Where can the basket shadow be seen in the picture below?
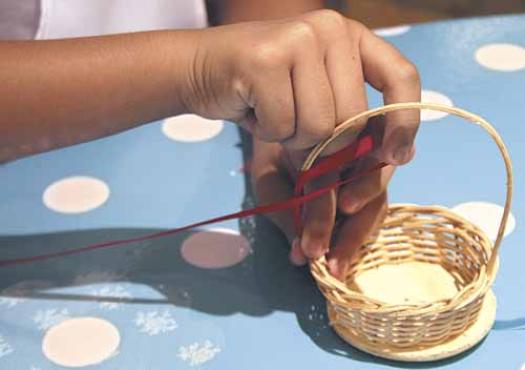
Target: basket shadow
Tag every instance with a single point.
(514, 324)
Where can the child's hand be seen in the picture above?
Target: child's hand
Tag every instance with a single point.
(291, 81)
(361, 206)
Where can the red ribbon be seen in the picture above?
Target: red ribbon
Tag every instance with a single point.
(325, 165)
(329, 164)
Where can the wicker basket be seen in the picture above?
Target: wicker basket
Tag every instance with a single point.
(429, 234)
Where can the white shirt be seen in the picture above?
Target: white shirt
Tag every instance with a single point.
(52, 19)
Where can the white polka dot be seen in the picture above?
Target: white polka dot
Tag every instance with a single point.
(191, 128)
(501, 57)
(215, 248)
(76, 194)
(80, 342)
(392, 31)
(429, 96)
(486, 216)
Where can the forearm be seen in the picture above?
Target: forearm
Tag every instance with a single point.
(60, 92)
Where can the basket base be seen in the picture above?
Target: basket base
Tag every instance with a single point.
(472, 336)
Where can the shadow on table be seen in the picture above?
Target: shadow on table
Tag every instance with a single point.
(263, 283)
(514, 324)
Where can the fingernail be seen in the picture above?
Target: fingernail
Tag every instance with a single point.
(337, 269)
(351, 205)
(296, 256)
(332, 267)
(296, 259)
(312, 250)
(402, 155)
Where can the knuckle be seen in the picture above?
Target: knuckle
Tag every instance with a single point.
(267, 55)
(284, 132)
(311, 134)
(355, 26)
(277, 133)
(407, 73)
(324, 132)
(303, 32)
(321, 132)
(331, 18)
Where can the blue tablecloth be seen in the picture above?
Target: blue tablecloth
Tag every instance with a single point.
(176, 308)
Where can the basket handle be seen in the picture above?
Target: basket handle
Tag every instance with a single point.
(351, 122)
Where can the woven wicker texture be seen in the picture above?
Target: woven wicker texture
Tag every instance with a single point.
(412, 233)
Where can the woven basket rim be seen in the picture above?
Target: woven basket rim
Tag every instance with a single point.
(468, 293)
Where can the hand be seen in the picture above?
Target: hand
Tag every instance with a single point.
(291, 81)
(362, 205)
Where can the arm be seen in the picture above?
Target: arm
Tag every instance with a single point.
(60, 92)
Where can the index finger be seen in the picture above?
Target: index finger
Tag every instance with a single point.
(318, 216)
(388, 71)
